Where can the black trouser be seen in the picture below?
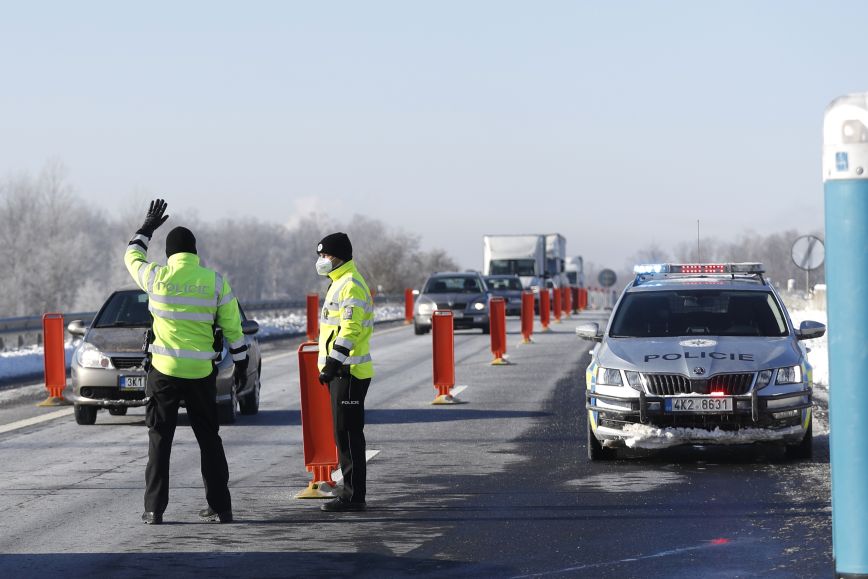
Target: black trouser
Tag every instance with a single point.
(348, 412)
(166, 393)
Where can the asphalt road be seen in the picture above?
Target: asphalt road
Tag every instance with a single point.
(496, 487)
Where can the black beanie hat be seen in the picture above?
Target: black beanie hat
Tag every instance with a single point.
(180, 240)
(337, 244)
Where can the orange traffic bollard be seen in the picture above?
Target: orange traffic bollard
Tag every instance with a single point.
(544, 309)
(320, 450)
(568, 301)
(526, 317)
(574, 298)
(408, 306)
(584, 305)
(443, 340)
(497, 321)
(557, 304)
(54, 357)
(312, 317)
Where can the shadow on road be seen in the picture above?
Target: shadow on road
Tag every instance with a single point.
(392, 416)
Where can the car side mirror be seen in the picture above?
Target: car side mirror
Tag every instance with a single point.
(809, 329)
(76, 328)
(249, 327)
(590, 331)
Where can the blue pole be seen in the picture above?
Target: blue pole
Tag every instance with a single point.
(845, 176)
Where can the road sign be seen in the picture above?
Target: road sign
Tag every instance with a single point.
(607, 278)
(808, 252)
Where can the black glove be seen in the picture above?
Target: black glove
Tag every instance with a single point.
(241, 371)
(154, 218)
(330, 371)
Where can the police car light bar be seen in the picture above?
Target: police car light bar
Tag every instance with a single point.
(687, 268)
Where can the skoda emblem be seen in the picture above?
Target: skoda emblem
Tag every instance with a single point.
(699, 371)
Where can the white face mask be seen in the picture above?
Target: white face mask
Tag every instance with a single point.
(324, 265)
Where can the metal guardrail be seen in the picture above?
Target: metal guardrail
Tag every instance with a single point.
(34, 323)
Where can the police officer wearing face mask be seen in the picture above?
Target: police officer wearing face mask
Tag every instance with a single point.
(345, 328)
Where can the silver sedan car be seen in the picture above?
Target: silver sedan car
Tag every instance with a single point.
(465, 293)
(107, 367)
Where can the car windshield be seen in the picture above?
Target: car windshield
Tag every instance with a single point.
(503, 283)
(452, 285)
(512, 267)
(125, 309)
(698, 312)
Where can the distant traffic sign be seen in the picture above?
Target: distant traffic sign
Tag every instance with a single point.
(607, 278)
(808, 252)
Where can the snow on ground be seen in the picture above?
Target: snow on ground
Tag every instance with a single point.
(645, 436)
(29, 360)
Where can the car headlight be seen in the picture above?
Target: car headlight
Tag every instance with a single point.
(789, 375)
(427, 308)
(763, 379)
(479, 306)
(89, 356)
(634, 380)
(609, 377)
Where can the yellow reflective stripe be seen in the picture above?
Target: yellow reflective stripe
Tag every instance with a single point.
(181, 300)
(369, 308)
(188, 316)
(226, 299)
(338, 356)
(351, 360)
(178, 353)
(345, 343)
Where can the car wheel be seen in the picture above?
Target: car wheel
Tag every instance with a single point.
(596, 451)
(84, 414)
(419, 330)
(118, 410)
(805, 449)
(250, 404)
(227, 412)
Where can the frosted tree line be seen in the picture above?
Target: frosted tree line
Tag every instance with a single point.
(59, 254)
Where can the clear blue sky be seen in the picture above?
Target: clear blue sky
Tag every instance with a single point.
(617, 124)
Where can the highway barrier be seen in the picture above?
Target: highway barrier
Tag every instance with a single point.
(312, 317)
(55, 359)
(526, 317)
(544, 310)
(320, 450)
(443, 340)
(408, 306)
(497, 321)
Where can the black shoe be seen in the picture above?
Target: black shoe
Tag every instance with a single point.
(341, 505)
(213, 516)
(152, 518)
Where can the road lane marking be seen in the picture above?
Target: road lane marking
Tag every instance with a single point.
(338, 476)
(457, 390)
(35, 420)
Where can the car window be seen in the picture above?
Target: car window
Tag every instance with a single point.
(449, 285)
(698, 312)
(125, 309)
(503, 283)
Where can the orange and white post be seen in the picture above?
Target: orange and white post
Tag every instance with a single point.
(54, 357)
(527, 317)
(312, 317)
(408, 306)
(320, 450)
(544, 309)
(497, 321)
(443, 340)
(557, 304)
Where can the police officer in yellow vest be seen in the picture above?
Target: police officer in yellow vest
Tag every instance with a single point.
(187, 302)
(345, 328)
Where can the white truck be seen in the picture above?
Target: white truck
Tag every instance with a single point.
(522, 255)
(575, 270)
(556, 257)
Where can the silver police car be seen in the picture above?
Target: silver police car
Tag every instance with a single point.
(699, 354)
(107, 370)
